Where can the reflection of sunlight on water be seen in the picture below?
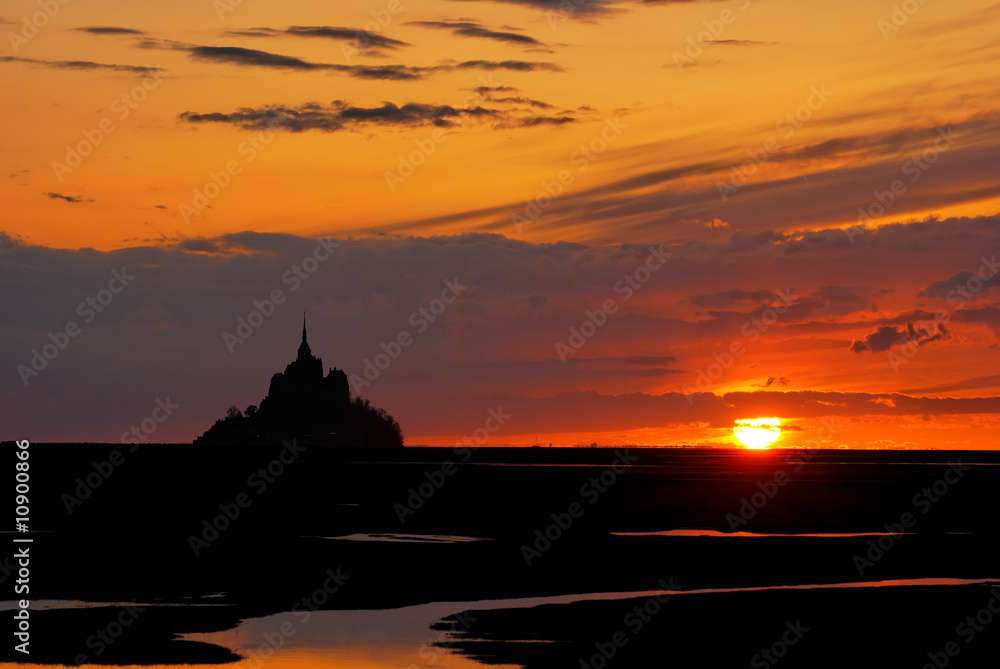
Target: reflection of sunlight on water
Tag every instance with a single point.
(403, 639)
(381, 639)
(369, 657)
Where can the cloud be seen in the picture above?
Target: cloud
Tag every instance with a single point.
(469, 28)
(988, 316)
(340, 116)
(889, 336)
(501, 95)
(587, 9)
(232, 55)
(651, 200)
(72, 199)
(83, 65)
(974, 383)
(737, 296)
(965, 285)
(496, 344)
(736, 42)
(368, 42)
(490, 90)
(111, 30)
(512, 65)
(253, 57)
(536, 121)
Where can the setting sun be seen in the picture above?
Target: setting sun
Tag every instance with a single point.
(757, 433)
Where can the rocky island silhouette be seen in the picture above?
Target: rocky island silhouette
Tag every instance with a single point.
(304, 405)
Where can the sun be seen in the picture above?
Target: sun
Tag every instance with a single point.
(757, 433)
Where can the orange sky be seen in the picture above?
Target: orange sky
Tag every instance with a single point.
(740, 135)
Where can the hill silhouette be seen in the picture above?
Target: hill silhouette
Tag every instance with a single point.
(304, 405)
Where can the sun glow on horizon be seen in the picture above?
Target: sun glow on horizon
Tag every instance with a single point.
(757, 433)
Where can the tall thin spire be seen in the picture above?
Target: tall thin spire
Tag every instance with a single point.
(304, 350)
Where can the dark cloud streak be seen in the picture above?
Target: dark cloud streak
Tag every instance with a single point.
(342, 116)
(83, 65)
(467, 28)
(368, 42)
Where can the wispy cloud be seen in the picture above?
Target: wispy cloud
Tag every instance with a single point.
(690, 190)
(71, 199)
(888, 336)
(588, 9)
(503, 95)
(240, 56)
(111, 30)
(368, 42)
(82, 65)
(975, 383)
(342, 116)
(469, 28)
(736, 42)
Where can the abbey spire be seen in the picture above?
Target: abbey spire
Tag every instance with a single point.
(304, 350)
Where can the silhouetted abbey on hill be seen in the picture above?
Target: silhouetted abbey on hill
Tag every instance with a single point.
(303, 404)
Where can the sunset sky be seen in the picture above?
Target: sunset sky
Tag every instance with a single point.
(613, 221)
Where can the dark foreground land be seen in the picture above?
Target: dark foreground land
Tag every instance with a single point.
(250, 532)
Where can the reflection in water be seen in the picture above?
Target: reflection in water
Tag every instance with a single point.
(396, 538)
(402, 638)
(718, 533)
(405, 638)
